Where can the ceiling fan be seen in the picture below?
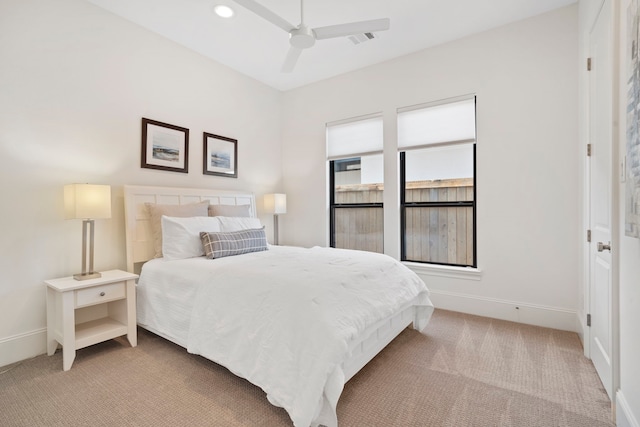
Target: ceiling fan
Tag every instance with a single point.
(303, 37)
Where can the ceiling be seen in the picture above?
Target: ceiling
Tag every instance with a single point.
(257, 48)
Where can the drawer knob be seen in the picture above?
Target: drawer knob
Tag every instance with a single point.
(101, 294)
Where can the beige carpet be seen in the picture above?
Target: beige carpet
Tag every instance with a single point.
(466, 371)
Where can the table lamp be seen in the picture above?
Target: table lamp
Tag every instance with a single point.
(275, 204)
(87, 202)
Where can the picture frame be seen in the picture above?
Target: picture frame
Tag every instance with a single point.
(164, 146)
(220, 155)
(631, 162)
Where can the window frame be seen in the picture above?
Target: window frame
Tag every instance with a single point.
(333, 205)
(404, 205)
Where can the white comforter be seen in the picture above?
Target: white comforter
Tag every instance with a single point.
(283, 318)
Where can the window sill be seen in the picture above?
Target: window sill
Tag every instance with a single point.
(467, 273)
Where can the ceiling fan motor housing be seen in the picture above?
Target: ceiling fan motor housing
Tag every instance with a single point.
(302, 38)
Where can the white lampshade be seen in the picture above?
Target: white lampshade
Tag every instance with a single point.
(275, 203)
(84, 201)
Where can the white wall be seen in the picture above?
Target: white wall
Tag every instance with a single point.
(75, 82)
(526, 81)
(628, 396)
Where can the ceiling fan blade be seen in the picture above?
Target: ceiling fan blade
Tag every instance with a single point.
(292, 58)
(265, 13)
(342, 30)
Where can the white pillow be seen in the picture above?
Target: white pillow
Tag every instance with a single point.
(228, 223)
(181, 236)
(155, 217)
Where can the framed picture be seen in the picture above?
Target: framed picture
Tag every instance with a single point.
(164, 146)
(220, 155)
(632, 178)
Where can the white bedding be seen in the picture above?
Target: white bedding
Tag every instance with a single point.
(282, 318)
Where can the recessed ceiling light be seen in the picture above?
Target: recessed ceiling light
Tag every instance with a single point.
(223, 11)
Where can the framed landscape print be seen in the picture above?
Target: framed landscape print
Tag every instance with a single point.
(632, 178)
(164, 146)
(220, 155)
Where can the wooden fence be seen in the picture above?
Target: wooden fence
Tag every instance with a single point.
(442, 235)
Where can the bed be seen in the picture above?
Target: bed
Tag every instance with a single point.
(297, 322)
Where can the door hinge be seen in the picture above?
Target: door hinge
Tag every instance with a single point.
(589, 150)
(589, 236)
(588, 64)
(588, 320)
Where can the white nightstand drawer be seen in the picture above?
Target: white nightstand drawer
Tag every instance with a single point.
(100, 294)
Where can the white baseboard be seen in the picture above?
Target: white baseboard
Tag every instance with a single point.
(531, 314)
(23, 346)
(624, 415)
(580, 325)
(583, 332)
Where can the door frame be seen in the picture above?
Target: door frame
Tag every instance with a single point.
(615, 201)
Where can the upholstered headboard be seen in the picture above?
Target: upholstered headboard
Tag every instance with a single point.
(138, 229)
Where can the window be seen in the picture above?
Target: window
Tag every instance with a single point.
(437, 183)
(356, 184)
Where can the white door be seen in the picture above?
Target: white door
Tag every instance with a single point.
(600, 138)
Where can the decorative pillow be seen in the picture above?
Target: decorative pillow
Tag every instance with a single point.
(155, 216)
(237, 224)
(219, 245)
(230, 210)
(181, 236)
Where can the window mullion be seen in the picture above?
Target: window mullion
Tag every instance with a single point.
(358, 205)
(451, 204)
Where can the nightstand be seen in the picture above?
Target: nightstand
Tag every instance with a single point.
(81, 313)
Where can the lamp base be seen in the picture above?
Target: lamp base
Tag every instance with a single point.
(87, 233)
(86, 276)
(275, 229)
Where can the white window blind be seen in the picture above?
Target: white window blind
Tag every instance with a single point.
(354, 138)
(442, 123)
